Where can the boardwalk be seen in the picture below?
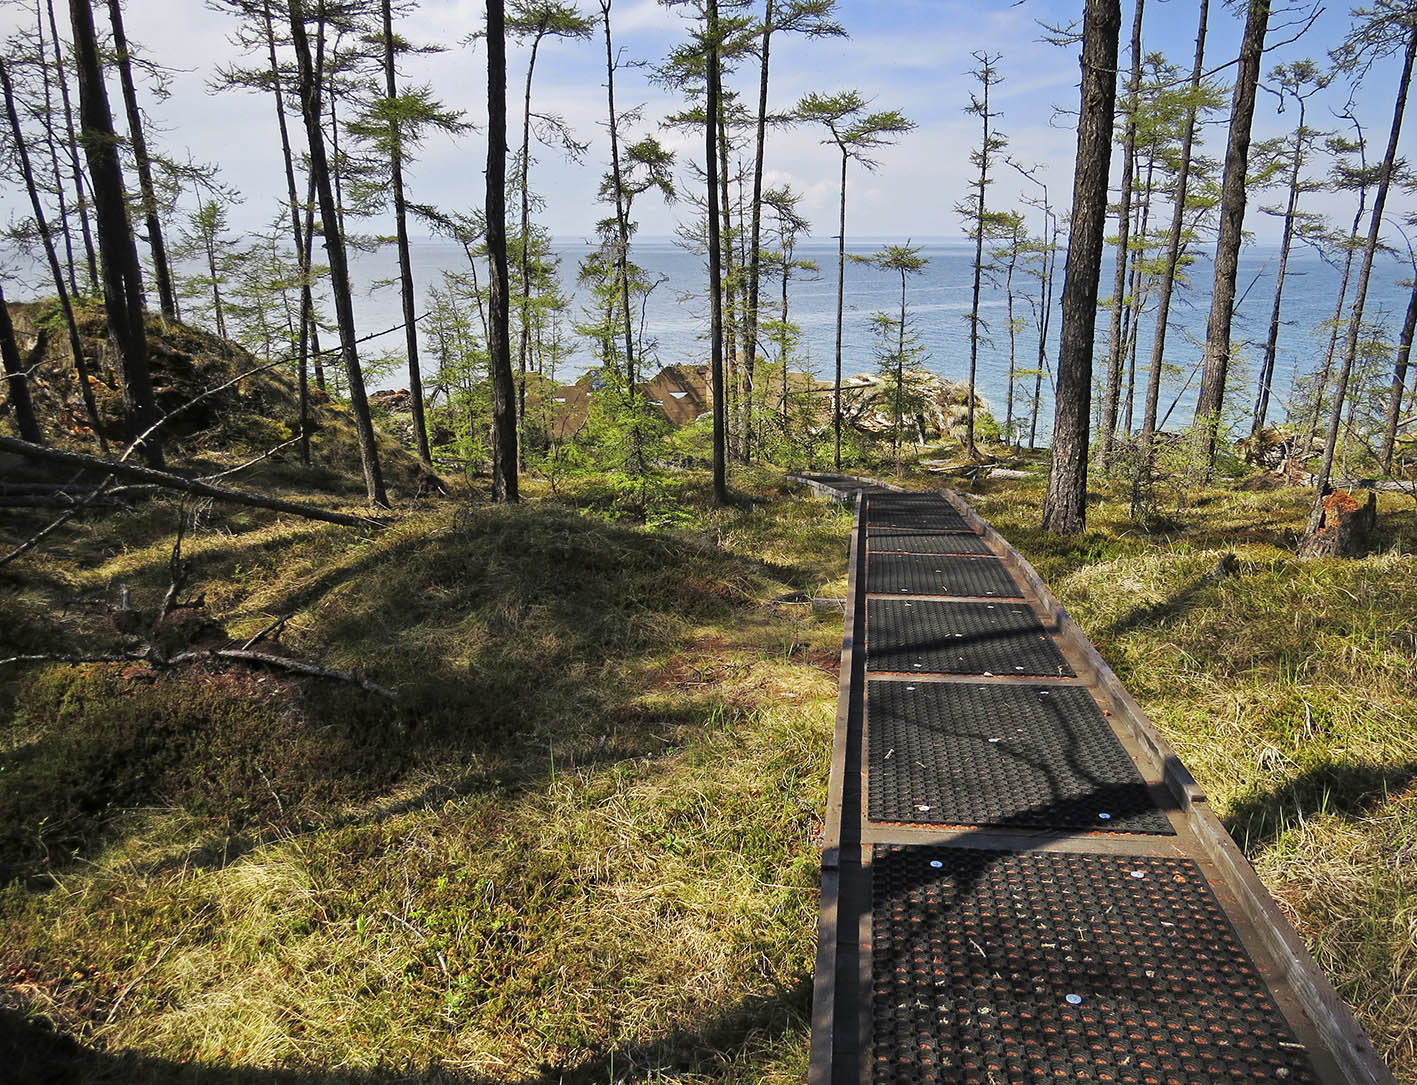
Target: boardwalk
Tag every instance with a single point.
(1021, 882)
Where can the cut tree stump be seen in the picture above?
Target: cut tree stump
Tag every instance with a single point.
(1345, 529)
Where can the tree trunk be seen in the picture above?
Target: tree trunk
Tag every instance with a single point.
(524, 339)
(334, 247)
(504, 391)
(167, 298)
(16, 379)
(1360, 296)
(1272, 341)
(840, 295)
(53, 147)
(750, 329)
(410, 317)
(982, 183)
(622, 225)
(1065, 507)
(1013, 336)
(122, 285)
(76, 349)
(1210, 399)
(297, 235)
(1168, 273)
(75, 168)
(1399, 381)
(715, 257)
(729, 276)
(1115, 347)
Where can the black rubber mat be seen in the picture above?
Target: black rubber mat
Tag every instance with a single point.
(926, 637)
(999, 967)
(940, 574)
(928, 512)
(893, 540)
(1027, 756)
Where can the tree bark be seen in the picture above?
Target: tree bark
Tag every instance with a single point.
(167, 298)
(755, 228)
(75, 168)
(71, 325)
(1271, 345)
(1115, 348)
(16, 378)
(1065, 507)
(297, 235)
(122, 284)
(1168, 274)
(715, 257)
(1399, 381)
(1360, 295)
(410, 317)
(524, 336)
(1210, 398)
(504, 392)
(334, 247)
(840, 296)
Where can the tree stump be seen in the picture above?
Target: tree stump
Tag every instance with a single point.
(1345, 528)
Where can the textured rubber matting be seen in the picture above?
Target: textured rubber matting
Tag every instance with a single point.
(926, 637)
(924, 511)
(940, 574)
(1005, 755)
(998, 967)
(893, 540)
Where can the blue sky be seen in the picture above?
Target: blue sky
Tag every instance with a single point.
(912, 55)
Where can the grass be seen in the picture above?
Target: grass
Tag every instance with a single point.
(1290, 691)
(580, 848)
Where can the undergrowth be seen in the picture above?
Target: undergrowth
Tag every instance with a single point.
(580, 846)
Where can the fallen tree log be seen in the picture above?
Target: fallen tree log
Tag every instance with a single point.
(169, 481)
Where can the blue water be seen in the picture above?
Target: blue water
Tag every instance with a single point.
(939, 301)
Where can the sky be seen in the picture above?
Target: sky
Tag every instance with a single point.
(911, 55)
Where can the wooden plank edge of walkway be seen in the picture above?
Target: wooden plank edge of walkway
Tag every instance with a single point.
(1346, 1042)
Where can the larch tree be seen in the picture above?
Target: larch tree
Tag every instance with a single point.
(534, 22)
(898, 344)
(980, 225)
(1296, 82)
(1116, 341)
(61, 77)
(1065, 506)
(122, 283)
(858, 136)
(312, 114)
(504, 392)
(138, 143)
(66, 307)
(1170, 266)
(1392, 417)
(1210, 398)
(812, 19)
(1385, 28)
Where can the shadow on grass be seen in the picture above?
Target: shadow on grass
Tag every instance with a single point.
(532, 637)
(1346, 789)
(34, 1054)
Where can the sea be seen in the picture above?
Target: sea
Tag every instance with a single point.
(938, 301)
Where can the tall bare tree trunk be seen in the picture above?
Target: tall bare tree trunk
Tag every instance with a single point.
(76, 350)
(504, 390)
(334, 248)
(1210, 398)
(622, 225)
(1065, 507)
(524, 337)
(73, 143)
(755, 227)
(715, 256)
(52, 145)
(15, 377)
(1365, 270)
(840, 295)
(1399, 381)
(1271, 345)
(167, 297)
(733, 399)
(1168, 272)
(1115, 346)
(410, 317)
(122, 285)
